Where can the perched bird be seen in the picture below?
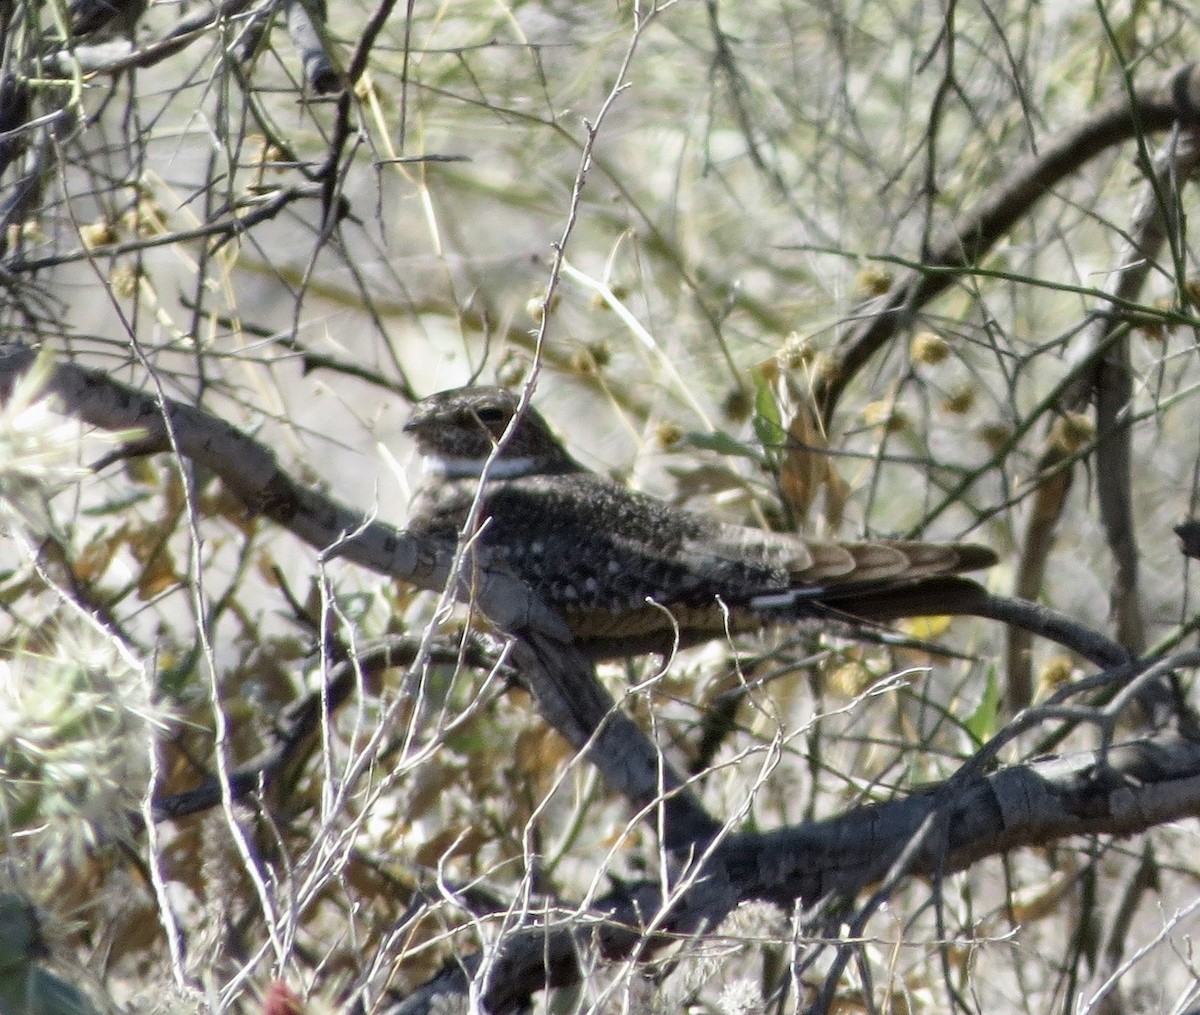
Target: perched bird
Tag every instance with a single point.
(629, 573)
(92, 18)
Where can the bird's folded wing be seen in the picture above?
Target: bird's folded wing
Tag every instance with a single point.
(809, 567)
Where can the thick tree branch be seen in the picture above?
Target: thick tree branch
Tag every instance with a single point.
(936, 830)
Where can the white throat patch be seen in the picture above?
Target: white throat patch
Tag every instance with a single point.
(463, 468)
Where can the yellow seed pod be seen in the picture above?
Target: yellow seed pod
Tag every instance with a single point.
(797, 351)
(148, 218)
(960, 401)
(97, 234)
(1071, 431)
(1153, 331)
(1055, 674)
(124, 281)
(601, 351)
(738, 405)
(667, 434)
(850, 679)
(873, 281)
(29, 231)
(928, 347)
(885, 413)
(535, 306)
(512, 370)
(996, 436)
(583, 362)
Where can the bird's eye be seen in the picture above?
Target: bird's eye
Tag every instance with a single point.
(489, 415)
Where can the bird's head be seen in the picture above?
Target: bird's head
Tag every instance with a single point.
(458, 430)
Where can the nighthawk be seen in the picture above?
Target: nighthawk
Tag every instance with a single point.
(629, 573)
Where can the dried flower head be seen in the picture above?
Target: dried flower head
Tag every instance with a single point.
(77, 725)
(39, 450)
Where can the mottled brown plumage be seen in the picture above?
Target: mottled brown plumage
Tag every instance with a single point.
(627, 571)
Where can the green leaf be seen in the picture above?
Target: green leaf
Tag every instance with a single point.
(722, 443)
(981, 724)
(768, 424)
